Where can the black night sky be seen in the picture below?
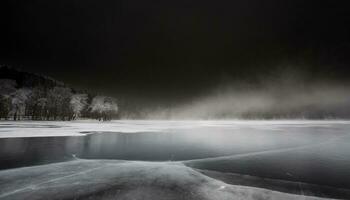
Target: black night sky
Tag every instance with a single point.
(175, 48)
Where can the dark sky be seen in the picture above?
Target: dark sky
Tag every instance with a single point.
(172, 48)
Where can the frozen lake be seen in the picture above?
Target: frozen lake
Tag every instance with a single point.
(300, 157)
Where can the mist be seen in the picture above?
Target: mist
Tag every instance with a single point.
(285, 98)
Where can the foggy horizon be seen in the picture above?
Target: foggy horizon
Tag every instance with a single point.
(284, 94)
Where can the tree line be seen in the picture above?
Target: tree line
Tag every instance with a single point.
(52, 103)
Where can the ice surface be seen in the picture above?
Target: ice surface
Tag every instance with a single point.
(79, 128)
(102, 179)
(302, 151)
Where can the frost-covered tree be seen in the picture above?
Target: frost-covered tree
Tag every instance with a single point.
(31, 96)
(104, 108)
(78, 103)
(5, 106)
(7, 87)
(58, 103)
(36, 104)
(18, 102)
(41, 108)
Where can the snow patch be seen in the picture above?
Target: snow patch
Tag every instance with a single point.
(10, 129)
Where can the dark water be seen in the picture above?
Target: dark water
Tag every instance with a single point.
(148, 146)
(311, 155)
(16, 152)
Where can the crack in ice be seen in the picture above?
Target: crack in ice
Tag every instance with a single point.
(37, 186)
(265, 151)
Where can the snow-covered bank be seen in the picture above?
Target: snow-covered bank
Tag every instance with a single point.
(101, 179)
(11, 129)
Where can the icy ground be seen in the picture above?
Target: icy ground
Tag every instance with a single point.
(80, 128)
(300, 154)
(101, 179)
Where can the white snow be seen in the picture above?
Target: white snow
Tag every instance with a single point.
(11, 129)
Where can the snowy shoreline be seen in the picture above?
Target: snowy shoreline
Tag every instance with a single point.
(15, 129)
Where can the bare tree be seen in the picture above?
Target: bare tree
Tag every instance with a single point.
(7, 87)
(18, 102)
(5, 106)
(104, 108)
(58, 103)
(78, 103)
